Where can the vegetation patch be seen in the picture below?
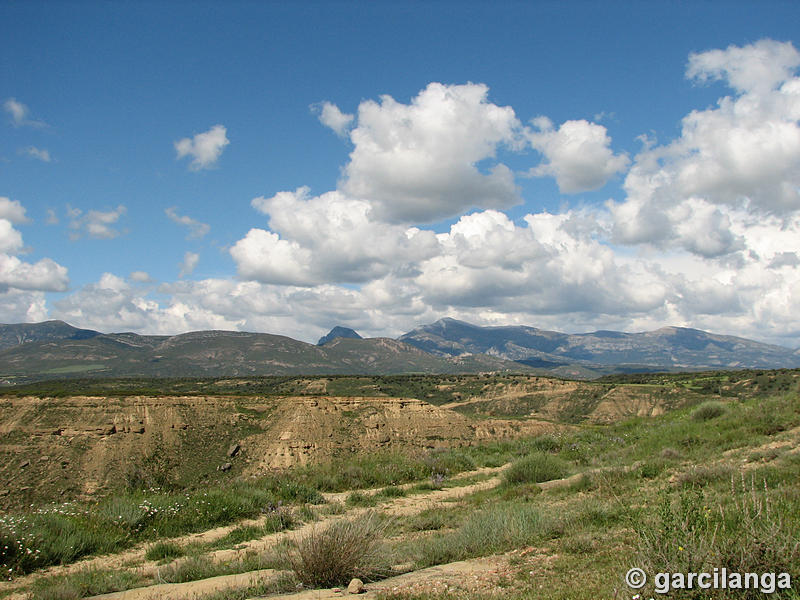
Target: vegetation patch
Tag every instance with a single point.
(164, 551)
(334, 554)
(708, 410)
(535, 468)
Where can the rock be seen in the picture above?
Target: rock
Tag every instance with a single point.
(24, 464)
(234, 450)
(356, 586)
(226, 467)
(4, 492)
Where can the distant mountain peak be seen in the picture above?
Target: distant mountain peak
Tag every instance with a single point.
(338, 332)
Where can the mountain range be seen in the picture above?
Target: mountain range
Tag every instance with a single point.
(51, 349)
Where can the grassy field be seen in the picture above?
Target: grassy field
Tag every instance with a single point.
(713, 485)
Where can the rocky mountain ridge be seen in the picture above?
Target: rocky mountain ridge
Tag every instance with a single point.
(666, 348)
(55, 349)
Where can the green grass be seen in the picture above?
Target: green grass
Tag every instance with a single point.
(488, 531)
(83, 583)
(75, 369)
(61, 535)
(164, 551)
(615, 516)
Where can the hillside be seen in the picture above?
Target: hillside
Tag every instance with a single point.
(23, 333)
(668, 348)
(711, 480)
(227, 353)
(54, 349)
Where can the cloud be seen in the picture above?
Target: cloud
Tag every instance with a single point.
(12, 211)
(10, 238)
(333, 118)
(196, 228)
(578, 155)
(741, 155)
(21, 282)
(95, 223)
(759, 67)
(707, 233)
(418, 162)
(111, 304)
(189, 264)
(52, 217)
(38, 153)
(554, 271)
(23, 306)
(204, 148)
(19, 114)
(329, 238)
(43, 275)
(140, 277)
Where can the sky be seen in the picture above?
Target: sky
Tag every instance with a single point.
(287, 167)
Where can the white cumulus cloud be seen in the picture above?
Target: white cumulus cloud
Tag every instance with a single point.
(332, 117)
(204, 148)
(328, 238)
(12, 210)
(741, 155)
(22, 281)
(418, 162)
(578, 155)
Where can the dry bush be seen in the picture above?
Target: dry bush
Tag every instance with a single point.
(332, 555)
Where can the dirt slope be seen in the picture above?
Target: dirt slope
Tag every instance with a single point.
(55, 449)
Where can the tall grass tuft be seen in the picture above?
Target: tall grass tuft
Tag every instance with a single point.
(535, 468)
(334, 554)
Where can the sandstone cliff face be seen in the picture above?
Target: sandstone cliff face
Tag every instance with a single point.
(63, 448)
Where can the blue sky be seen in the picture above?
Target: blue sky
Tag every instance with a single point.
(484, 161)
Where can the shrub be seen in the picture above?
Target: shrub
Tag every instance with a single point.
(547, 443)
(535, 468)
(709, 410)
(333, 555)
